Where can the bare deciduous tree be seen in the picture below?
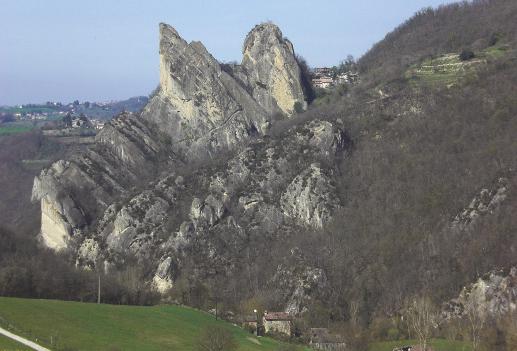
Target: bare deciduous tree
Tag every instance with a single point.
(354, 312)
(216, 338)
(422, 318)
(476, 314)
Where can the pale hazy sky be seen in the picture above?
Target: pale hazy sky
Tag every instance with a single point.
(96, 50)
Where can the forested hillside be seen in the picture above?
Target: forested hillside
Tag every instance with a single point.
(432, 32)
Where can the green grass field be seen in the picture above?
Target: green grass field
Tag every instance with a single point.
(27, 109)
(448, 70)
(14, 129)
(436, 345)
(84, 326)
(443, 71)
(7, 344)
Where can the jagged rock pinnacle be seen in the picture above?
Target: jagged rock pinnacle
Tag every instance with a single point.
(272, 68)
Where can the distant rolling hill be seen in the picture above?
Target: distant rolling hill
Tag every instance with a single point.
(56, 110)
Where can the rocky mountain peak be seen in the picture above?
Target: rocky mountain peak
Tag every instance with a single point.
(167, 32)
(180, 60)
(265, 33)
(206, 107)
(127, 196)
(273, 72)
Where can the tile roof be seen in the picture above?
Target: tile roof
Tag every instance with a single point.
(277, 316)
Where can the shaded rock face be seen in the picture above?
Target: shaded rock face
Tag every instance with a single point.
(195, 177)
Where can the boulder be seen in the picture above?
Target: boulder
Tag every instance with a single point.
(162, 280)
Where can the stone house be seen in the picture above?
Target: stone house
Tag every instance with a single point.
(321, 339)
(280, 322)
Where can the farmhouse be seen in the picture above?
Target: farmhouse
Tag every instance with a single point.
(279, 322)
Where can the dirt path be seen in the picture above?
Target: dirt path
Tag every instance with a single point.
(21, 340)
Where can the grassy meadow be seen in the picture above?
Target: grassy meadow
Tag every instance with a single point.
(7, 344)
(62, 325)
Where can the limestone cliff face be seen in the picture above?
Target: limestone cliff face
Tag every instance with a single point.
(271, 68)
(205, 108)
(199, 105)
(145, 188)
(74, 192)
(310, 197)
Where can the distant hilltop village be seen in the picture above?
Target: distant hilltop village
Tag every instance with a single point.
(96, 112)
(327, 77)
(65, 120)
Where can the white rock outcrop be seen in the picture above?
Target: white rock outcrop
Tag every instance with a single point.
(310, 198)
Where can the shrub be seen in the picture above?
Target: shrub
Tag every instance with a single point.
(216, 338)
(467, 55)
(393, 334)
(494, 39)
(298, 107)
